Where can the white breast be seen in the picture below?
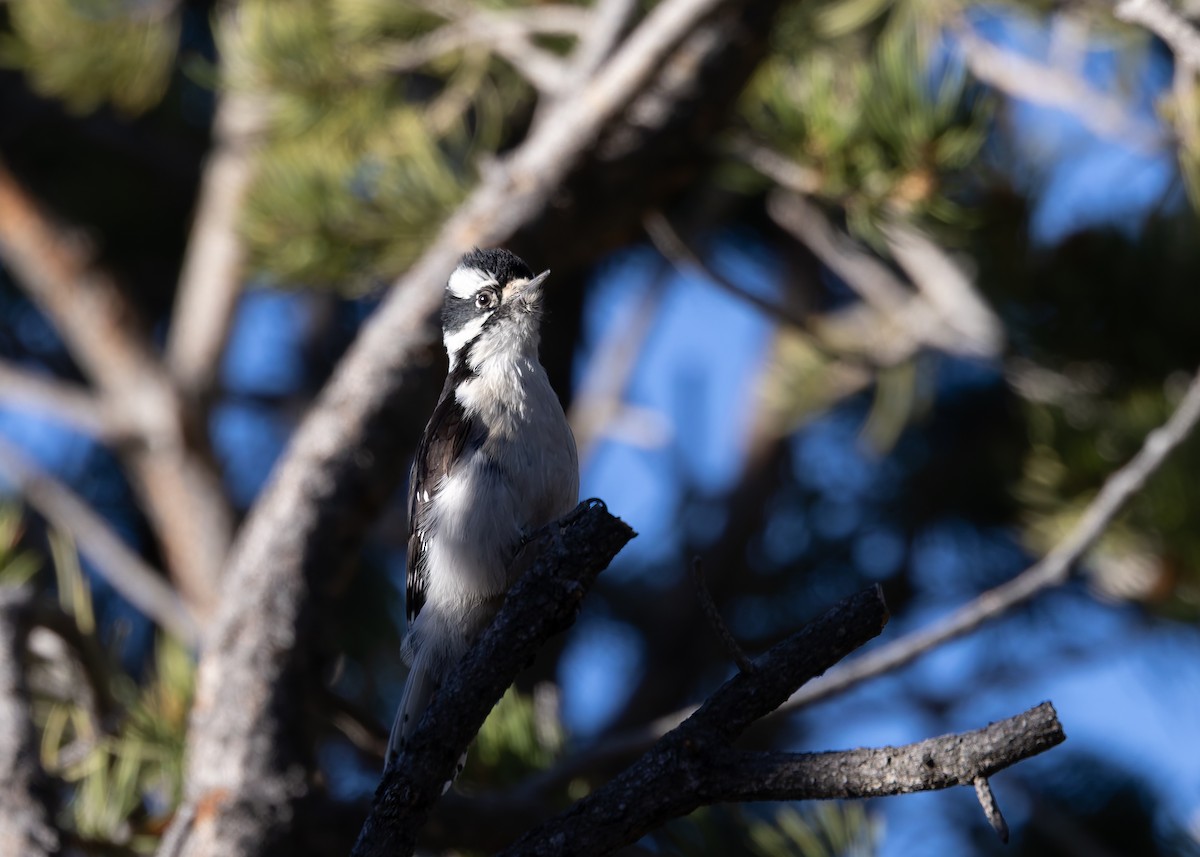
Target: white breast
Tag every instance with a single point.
(524, 476)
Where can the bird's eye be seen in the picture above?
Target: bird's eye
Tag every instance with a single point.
(485, 299)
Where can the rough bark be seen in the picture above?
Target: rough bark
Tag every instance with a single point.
(696, 764)
(544, 602)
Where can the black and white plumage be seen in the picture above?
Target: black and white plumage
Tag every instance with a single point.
(497, 461)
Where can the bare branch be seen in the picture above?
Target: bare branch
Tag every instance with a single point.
(473, 27)
(211, 280)
(607, 20)
(901, 326)
(1052, 570)
(904, 320)
(75, 405)
(545, 71)
(947, 289)
(671, 245)
(670, 779)
(991, 809)
(91, 315)
(676, 777)
(962, 759)
(568, 556)
(183, 496)
(26, 800)
(138, 583)
(1160, 19)
(598, 404)
(788, 173)
(709, 607)
(951, 316)
(1040, 83)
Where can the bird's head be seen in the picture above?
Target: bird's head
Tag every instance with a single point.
(492, 308)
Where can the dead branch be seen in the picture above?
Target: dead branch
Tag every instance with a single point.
(695, 764)
(544, 602)
(709, 607)
(900, 320)
(948, 290)
(666, 782)
(27, 826)
(598, 408)
(991, 809)
(935, 763)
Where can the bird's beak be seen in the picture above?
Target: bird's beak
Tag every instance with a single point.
(530, 292)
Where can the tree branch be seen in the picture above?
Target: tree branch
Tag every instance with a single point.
(935, 763)
(607, 20)
(709, 607)
(901, 320)
(1052, 570)
(671, 778)
(75, 405)
(26, 800)
(695, 766)
(671, 245)
(948, 291)
(1160, 19)
(140, 584)
(211, 279)
(568, 558)
(991, 809)
(182, 495)
(509, 34)
(1040, 83)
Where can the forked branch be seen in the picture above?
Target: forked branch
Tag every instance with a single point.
(567, 558)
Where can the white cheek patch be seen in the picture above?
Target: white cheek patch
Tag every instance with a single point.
(456, 340)
(465, 282)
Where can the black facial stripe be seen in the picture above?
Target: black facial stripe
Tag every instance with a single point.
(505, 265)
(456, 311)
(462, 371)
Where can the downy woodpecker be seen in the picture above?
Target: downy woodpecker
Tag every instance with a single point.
(497, 461)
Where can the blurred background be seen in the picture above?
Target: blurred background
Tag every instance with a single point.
(929, 273)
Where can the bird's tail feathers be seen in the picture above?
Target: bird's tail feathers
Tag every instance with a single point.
(418, 691)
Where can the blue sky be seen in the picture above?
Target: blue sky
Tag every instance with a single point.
(1080, 179)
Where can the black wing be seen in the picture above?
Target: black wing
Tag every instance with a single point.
(448, 433)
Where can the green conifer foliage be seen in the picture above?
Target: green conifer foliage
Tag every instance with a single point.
(94, 52)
